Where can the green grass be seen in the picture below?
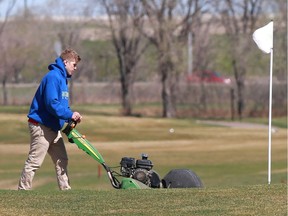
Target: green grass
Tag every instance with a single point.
(231, 162)
(241, 200)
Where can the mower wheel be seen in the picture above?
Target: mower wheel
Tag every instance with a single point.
(155, 180)
(181, 178)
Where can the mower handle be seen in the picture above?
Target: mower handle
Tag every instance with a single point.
(114, 181)
(71, 124)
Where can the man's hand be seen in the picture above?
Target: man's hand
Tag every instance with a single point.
(76, 117)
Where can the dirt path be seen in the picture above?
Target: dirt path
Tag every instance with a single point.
(235, 124)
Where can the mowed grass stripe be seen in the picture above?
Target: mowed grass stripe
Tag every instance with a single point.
(244, 200)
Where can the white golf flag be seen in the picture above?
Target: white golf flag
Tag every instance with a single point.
(263, 37)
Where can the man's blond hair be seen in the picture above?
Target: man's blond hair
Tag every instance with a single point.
(70, 55)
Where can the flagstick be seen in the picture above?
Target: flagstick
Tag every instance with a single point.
(263, 37)
(270, 117)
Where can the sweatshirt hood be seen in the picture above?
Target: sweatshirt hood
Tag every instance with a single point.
(59, 64)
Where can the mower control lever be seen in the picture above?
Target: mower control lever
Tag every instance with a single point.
(114, 181)
(71, 124)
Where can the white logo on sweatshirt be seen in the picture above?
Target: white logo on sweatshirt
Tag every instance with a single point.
(65, 95)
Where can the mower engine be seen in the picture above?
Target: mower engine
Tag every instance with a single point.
(141, 170)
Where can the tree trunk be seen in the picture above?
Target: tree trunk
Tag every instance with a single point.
(240, 101)
(203, 98)
(126, 86)
(5, 94)
(240, 90)
(168, 91)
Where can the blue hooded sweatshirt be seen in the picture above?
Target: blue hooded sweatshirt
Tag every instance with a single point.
(50, 105)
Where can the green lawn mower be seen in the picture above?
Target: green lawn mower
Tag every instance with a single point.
(134, 173)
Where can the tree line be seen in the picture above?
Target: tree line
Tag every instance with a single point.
(131, 40)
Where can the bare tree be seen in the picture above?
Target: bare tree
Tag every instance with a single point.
(238, 19)
(123, 15)
(279, 11)
(4, 73)
(168, 24)
(6, 15)
(71, 20)
(202, 27)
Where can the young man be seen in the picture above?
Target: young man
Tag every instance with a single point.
(48, 112)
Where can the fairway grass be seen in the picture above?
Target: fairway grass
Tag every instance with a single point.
(231, 162)
(252, 200)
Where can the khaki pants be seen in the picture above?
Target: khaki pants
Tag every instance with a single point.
(44, 140)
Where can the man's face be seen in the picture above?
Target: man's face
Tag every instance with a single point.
(70, 66)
